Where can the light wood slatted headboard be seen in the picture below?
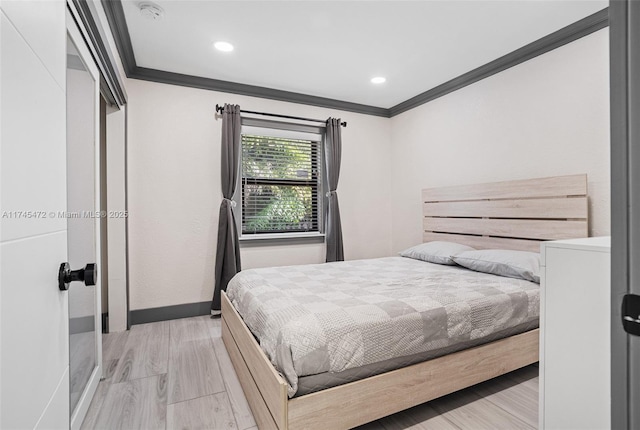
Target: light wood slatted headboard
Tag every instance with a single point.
(507, 215)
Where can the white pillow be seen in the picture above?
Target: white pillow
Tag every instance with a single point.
(436, 252)
(502, 262)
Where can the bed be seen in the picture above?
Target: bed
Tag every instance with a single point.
(506, 215)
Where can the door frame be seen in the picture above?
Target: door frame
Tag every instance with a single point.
(74, 33)
(624, 38)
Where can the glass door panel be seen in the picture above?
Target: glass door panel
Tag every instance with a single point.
(82, 225)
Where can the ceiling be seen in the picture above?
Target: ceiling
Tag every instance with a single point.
(333, 48)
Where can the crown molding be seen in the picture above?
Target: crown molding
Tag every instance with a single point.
(578, 29)
(117, 21)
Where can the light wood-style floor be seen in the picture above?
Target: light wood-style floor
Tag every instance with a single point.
(177, 375)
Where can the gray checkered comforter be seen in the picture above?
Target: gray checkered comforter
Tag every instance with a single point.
(332, 317)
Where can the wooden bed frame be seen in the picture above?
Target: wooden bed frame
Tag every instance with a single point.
(505, 215)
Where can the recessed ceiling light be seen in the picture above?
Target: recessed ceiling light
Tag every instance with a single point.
(378, 80)
(223, 46)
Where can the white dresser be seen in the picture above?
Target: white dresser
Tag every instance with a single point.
(574, 334)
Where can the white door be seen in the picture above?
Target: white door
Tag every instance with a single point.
(42, 385)
(83, 224)
(34, 342)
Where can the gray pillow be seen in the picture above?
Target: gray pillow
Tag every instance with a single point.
(436, 252)
(502, 262)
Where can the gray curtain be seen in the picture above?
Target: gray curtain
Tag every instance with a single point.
(228, 251)
(332, 156)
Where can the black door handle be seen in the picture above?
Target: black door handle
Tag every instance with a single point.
(88, 275)
(631, 314)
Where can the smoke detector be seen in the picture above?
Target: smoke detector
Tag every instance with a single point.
(151, 11)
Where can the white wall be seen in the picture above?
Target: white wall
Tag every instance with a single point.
(116, 226)
(547, 116)
(174, 191)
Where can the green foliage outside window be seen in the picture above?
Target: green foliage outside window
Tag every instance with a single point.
(280, 184)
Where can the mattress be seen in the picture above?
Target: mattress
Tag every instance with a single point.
(351, 318)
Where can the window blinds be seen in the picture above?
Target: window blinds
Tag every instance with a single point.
(281, 185)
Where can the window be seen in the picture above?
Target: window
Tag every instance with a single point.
(281, 182)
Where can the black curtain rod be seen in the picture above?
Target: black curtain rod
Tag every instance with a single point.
(219, 109)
